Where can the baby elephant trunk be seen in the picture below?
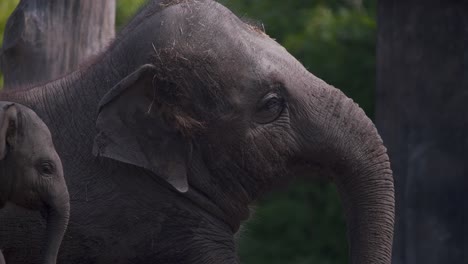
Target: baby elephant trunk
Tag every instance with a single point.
(57, 214)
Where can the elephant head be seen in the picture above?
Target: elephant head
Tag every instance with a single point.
(31, 172)
(223, 105)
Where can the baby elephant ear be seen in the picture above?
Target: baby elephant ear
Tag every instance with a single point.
(132, 129)
(7, 127)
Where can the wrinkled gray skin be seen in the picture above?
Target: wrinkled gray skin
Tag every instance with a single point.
(193, 114)
(31, 173)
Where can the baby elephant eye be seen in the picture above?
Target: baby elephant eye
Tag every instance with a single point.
(269, 108)
(46, 168)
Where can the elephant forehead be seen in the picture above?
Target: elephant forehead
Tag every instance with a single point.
(204, 41)
(35, 132)
(207, 28)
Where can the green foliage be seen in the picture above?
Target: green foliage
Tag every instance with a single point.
(338, 46)
(6, 8)
(125, 11)
(304, 224)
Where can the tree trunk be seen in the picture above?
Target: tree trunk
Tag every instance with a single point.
(45, 39)
(422, 115)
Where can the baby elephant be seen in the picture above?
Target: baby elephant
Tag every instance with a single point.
(31, 173)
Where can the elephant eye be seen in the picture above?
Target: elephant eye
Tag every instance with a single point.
(269, 108)
(46, 168)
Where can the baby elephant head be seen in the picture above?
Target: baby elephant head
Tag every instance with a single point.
(31, 173)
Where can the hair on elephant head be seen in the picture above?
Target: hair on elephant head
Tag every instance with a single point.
(31, 173)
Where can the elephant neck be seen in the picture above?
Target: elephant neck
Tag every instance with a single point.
(7, 183)
(208, 205)
(227, 202)
(203, 238)
(165, 217)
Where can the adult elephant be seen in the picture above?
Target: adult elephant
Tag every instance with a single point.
(197, 114)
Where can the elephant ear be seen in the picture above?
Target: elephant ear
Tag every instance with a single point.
(8, 127)
(132, 129)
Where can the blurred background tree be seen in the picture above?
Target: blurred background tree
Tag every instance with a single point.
(6, 7)
(45, 39)
(335, 40)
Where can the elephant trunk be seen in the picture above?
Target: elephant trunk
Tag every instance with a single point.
(346, 140)
(58, 214)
